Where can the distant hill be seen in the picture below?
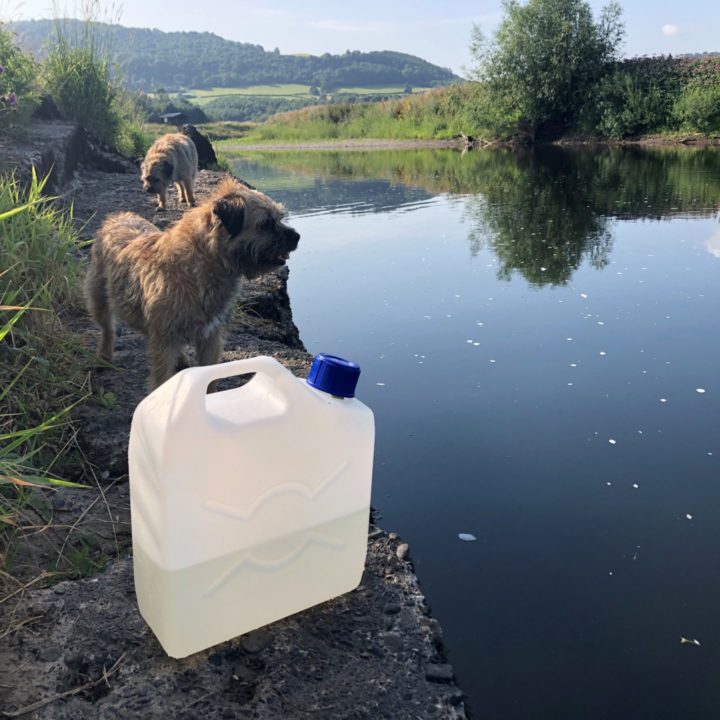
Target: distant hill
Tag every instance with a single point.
(151, 59)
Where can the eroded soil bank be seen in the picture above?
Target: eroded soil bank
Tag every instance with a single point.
(79, 649)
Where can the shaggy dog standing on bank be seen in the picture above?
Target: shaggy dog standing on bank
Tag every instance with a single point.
(171, 158)
(177, 286)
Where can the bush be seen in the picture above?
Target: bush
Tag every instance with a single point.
(627, 105)
(77, 75)
(698, 108)
(18, 96)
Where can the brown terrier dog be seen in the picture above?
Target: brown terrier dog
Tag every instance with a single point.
(177, 286)
(171, 158)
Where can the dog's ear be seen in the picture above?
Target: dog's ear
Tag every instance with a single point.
(231, 214)
(166, 169)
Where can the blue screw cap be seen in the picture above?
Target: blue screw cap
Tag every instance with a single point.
(334, 375)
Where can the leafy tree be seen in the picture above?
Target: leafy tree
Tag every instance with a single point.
(546, 57)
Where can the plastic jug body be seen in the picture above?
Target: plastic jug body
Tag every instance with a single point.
(247, 505)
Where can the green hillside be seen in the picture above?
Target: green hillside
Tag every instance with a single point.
(150, 59)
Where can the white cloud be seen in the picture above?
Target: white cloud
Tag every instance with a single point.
(670, 30)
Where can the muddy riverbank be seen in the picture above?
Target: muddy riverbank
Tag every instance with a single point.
(79, 649)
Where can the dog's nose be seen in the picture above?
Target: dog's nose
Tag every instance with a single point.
(293, 237)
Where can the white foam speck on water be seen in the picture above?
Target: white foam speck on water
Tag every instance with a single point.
(709, 453)
(610, 573)
(427, 317)
(700, 390)
(492, 361)
(448, 316)
(583, 296)
(640, 432)
(380, 384)
(603, 353)
(636, 486)
(569, 339)
(608, 483)
(688, 516)
(612, 442)
(466, 537)
(570, 384)
(573, 364)
(476, 344)
(663, 400)
(543, 269)
(600, 322)
(481, 324)
(469, 341)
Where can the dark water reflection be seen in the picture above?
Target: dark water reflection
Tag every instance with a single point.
(539, 336)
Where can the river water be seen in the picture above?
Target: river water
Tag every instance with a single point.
(539, 334)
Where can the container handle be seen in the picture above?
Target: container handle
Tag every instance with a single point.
(262, 365)
(194, 381)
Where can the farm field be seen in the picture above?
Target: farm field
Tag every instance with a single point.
(203, 96)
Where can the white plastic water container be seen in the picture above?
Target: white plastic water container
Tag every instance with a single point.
(251, 504)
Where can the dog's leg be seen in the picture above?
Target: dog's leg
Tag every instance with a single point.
(162, 357)
(162, 199)
(208, 348)
(181, 192)
(189, 195)
(99, 307)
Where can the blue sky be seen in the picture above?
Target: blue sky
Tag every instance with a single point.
(436, 31)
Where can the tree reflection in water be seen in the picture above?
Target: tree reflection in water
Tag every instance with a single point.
(542, 211)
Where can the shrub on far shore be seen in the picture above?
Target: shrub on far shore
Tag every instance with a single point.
(698, 108)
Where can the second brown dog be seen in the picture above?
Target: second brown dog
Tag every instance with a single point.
(172, 158)
(177, 286)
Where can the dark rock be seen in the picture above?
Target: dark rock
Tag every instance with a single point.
(255, 641)
(392, 608)
(49, 654)
(394, 642)
(47, 110)
(402, 550)
(439, 672)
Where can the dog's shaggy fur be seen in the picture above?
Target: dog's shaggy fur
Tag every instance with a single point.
(171, 158)
(177, 286)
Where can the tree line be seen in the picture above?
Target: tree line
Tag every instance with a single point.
(148, 59)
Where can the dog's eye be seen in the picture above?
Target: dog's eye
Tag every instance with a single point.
(267, 225)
